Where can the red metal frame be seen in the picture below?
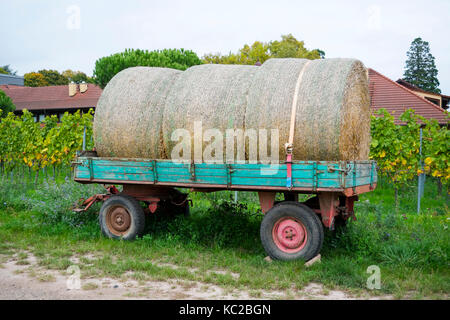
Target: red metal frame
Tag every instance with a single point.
(266, 200)
(328, 205)
(329, 201)
(86, 204)
(349, 206)
(147, 193)
(348, 192)
(217, 187)
(153, 195)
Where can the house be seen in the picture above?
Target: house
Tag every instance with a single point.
(397, 97)
(11, 79)
(53, 100)
(437, 98)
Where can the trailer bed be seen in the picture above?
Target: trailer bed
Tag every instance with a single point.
(348, 177)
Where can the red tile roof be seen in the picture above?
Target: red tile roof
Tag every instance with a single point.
(52, 97)
(445, 98)
(395, 98)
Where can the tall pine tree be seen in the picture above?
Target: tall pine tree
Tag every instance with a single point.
(420, 68)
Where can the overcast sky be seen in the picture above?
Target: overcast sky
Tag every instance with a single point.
(74, 34)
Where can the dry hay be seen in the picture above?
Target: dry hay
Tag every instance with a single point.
(141, 107)
(128, 116)
(333, 116)
(216, 95)
(332, 109)
(271, 95)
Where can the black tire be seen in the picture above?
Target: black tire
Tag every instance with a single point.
(311, 224)
(169, 209)
(187, 210)
(127, 208)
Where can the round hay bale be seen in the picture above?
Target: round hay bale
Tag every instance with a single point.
(128, 117)
(332, 116)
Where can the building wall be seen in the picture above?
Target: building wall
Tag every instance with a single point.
(431, 96)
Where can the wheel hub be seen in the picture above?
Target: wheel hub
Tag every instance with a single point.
(119, 220)
(289, 235)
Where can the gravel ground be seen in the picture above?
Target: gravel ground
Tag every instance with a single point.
(32, 282)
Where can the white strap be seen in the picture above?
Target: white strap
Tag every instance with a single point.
(289, 145)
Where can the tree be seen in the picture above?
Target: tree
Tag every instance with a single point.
(321, 53)
(7, 70)
(53, 77)
(420, 69)
(108, 67)
(6, 104)
(77, 76)
(44, 78)
(34, 79)
(288, 47)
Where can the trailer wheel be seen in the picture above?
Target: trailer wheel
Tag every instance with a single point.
(310, 209)
(291, 231)
(177, 205)
(121, 217)
(169, 209)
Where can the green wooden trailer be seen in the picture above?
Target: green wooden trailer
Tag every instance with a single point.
(289, 230)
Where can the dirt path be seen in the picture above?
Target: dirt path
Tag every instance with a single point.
(30, 281)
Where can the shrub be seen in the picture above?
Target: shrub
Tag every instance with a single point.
(108, 67)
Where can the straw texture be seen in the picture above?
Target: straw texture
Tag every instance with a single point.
(129, 113)
(330, 98)
(216, 95)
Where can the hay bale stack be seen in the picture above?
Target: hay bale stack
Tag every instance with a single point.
(141, 107)
(332, 109)
(129, 113)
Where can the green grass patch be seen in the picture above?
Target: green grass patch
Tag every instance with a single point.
(411, 250)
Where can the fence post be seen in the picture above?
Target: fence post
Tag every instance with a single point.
(420, 187)
(84, 138)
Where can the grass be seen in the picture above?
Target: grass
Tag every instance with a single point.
(219, 243)
(89, 286)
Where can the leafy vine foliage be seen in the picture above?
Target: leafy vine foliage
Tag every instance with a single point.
(43, 144)
(396, 148)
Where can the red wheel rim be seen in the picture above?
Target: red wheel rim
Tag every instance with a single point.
(289, 235)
